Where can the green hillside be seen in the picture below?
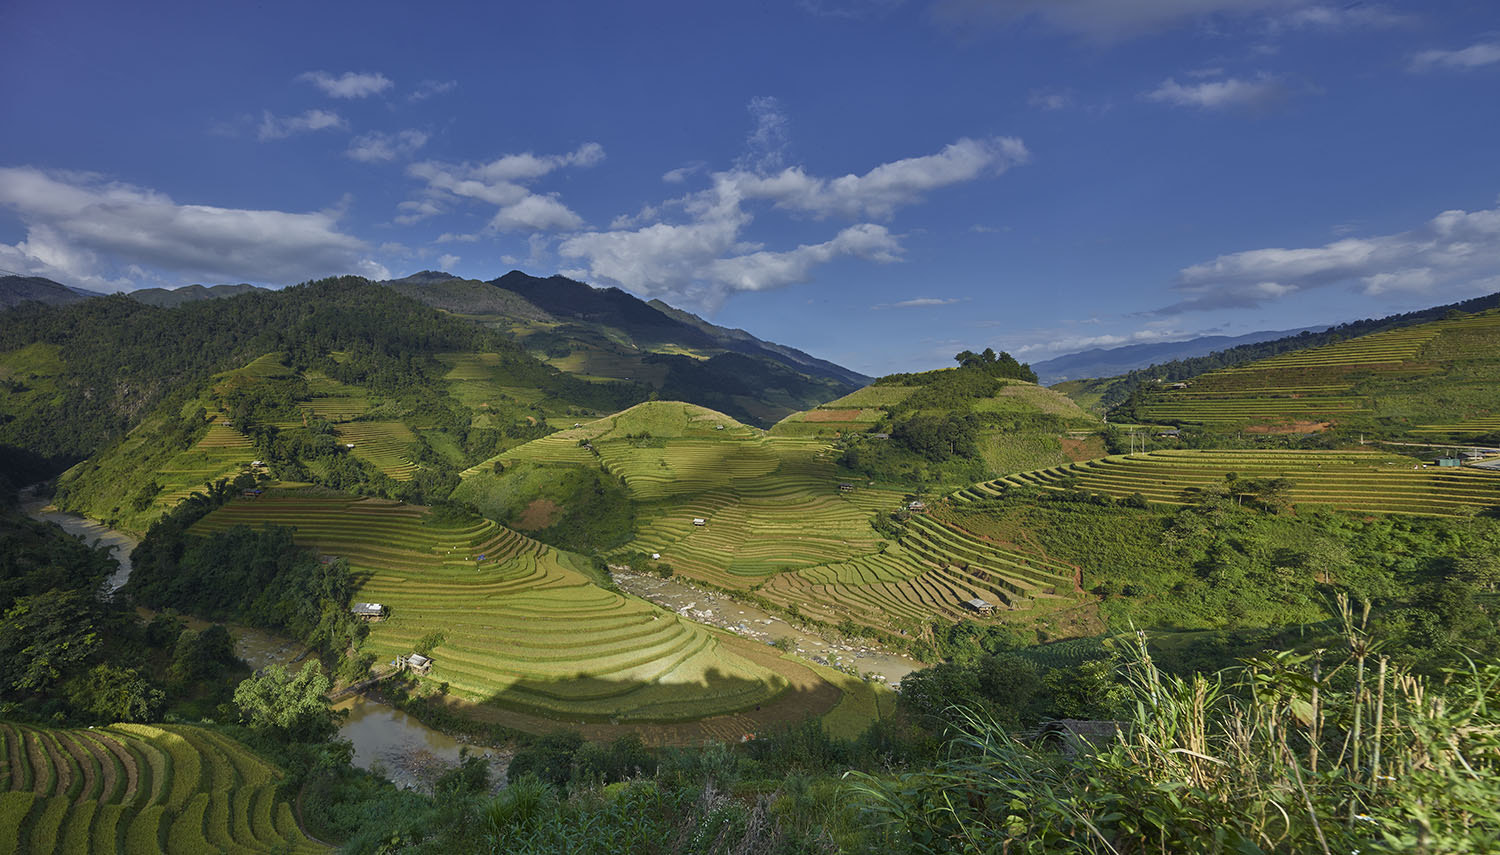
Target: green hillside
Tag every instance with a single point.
(526, 635)
(604, 334)
(781, 521)
(140, 788)
(1437, 378)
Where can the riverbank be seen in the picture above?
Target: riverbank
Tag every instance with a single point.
(747, 621)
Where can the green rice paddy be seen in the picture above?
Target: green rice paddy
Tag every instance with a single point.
(524, 628)
(1360, 481)
(1380, 375)
(140, 789)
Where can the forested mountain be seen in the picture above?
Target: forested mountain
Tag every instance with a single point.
(606, 333)
(15, 290)
(168, 298)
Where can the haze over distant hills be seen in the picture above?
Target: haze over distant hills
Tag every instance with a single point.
(15, 290)
(1109, 361)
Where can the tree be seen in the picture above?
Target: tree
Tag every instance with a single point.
(115, 694)
(45, 636)
(291, 705)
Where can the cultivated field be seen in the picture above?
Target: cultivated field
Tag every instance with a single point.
(1399, 374)
(776, 522)
(1364, 481)
(140, 789)
(524, 628)
(385, 445)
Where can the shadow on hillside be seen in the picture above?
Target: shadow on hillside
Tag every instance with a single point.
(715, 706)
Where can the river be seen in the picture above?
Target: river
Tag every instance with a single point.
(406, 751)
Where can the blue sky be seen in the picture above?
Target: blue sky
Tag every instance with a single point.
(882, 183)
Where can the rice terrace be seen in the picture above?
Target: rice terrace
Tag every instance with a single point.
(954, 427)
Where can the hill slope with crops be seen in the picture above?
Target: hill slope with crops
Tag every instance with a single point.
(141, 789)
(1436, 379)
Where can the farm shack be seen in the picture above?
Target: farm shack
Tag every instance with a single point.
(916, 506)
(979, 606)
(699, 521)
(1170, 434)
(368, 611)
(414, 662)
(846, 488)
(1450, 461)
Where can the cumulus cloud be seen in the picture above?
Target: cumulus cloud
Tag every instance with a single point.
(279, 127)
(503, 183)
(85, 230)
(1104, 20)
(1072, 343)
(1454, 252)
(447, 260)
(1218, 94)
(888, 186)
(1464, 59)
(350, 84)
(706, 257)
(377, 147)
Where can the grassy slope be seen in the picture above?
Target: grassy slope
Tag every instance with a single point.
(1436, 378)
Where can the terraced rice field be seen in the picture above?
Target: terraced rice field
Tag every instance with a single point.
(1326, 383)
(1369, 482)
(223, 452)
(1468, 427)
(337, 408)
(524, 628)
(386, 445)
(140, 789)
(929, 574)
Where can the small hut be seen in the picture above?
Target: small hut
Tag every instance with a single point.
(700, 521)
(415, 662)
(979, 606)
(368, 611)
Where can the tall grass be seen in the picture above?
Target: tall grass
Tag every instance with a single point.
(1290, 753)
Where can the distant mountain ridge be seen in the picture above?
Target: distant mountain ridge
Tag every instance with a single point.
(1109, 361)
(15, 290)
(170, 298)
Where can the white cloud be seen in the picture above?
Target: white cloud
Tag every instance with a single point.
(1344, 16)
(770, 136)
(279, 127)
(1050, 99)
(1454, 252)
(703, 260)
(1464, 59)
(350, 84)
(1218, 94)
(1103, 20)
(1073, 343)
(81, 228)
(919, 302)
(448, 260)
(432, 88)
(378, 147)
(880, 191)
(503, 183)
(682, 173)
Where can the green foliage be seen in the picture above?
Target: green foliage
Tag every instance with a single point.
(111, 693)
(292, 706)
(43, 637)
(1288, 754)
